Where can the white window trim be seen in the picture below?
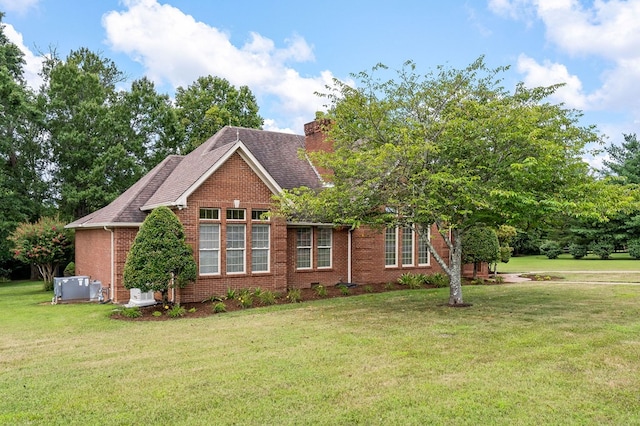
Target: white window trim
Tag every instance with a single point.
(310, 247)
(268, 249)
(243, 249)
(428, 237)
(394, 265)
(413, 247)
(330, 247)
(218, 250)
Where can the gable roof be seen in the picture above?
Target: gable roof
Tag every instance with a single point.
(273, 156)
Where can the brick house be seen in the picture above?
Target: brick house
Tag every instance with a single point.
(222, 192)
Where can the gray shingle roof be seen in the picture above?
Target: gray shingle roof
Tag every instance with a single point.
(174, 177)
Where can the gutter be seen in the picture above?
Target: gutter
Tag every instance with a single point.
(112, 278)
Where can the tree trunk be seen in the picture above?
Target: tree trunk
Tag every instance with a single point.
(455, 271)
(453, 268)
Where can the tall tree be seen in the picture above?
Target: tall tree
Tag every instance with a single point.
(102, 138)
(624, 159)
(22, 189)
(451, 148)
(78, 93)
(211, 103)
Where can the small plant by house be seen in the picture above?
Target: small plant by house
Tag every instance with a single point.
(294, 295)
(132, 312)
(245, 298)
(320, 290)
(437, 279)
(176, 311)
(412, 281)
(267, 297)
(219, 307)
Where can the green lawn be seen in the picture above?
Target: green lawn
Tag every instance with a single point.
(540, 263)
(525, 354)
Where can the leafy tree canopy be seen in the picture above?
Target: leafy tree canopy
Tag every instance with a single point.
(159, 258)
(451, 148)
(45, 244)
(624, 160)
(211, 103)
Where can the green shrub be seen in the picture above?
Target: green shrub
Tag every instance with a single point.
(505, 254)
(438, 280)
(634, 248)
(70, 269)
(231, 294)
(176, 311)
(245, 298)
(578, 251)
(411, 280)
(132, 312)
(368, 288)
(551, 249)
(157, 314)
(498, 279)
(192, 310)
(388, 286)
(602, 249)
(320, 290)
(294, 296)
(219, 307)
(267, 297)
(345, 290)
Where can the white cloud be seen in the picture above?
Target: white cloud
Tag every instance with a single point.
(547, 74)
(20, 6)
(33, 63)
(192, 49)
(602, 32)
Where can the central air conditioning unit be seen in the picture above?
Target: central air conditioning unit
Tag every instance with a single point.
(138, 298)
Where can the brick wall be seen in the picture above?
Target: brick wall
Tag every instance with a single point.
(234, 185)
(306, 278)
(94, 259)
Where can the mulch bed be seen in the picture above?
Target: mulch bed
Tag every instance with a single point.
(205, 308)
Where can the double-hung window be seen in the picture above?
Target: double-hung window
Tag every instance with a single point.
(423, 249)
(324, 247)
(304, 238)
(390, 247)
(407, 246)
(209, 245)
(259, 242)
(236, 241)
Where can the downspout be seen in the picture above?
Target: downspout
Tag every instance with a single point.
(112, 284)
(349, 269)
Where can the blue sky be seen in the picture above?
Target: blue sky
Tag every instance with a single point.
(286, 50)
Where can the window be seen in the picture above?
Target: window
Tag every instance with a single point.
(390, 248)
(235, 214)
(407, 246)
(235, 248)
(260, 215)
(423, 248)
(209, 248)
(303, 243)
(260, 248)
(324, 247)
(210, 214)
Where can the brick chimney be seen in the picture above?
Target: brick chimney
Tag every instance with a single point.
(315, 139)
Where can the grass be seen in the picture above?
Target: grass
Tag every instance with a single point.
(540, 263)
(532, 353)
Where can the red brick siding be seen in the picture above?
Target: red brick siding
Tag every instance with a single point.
(94, 257)
(368, 255)
(305, 278)
(234, 180)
